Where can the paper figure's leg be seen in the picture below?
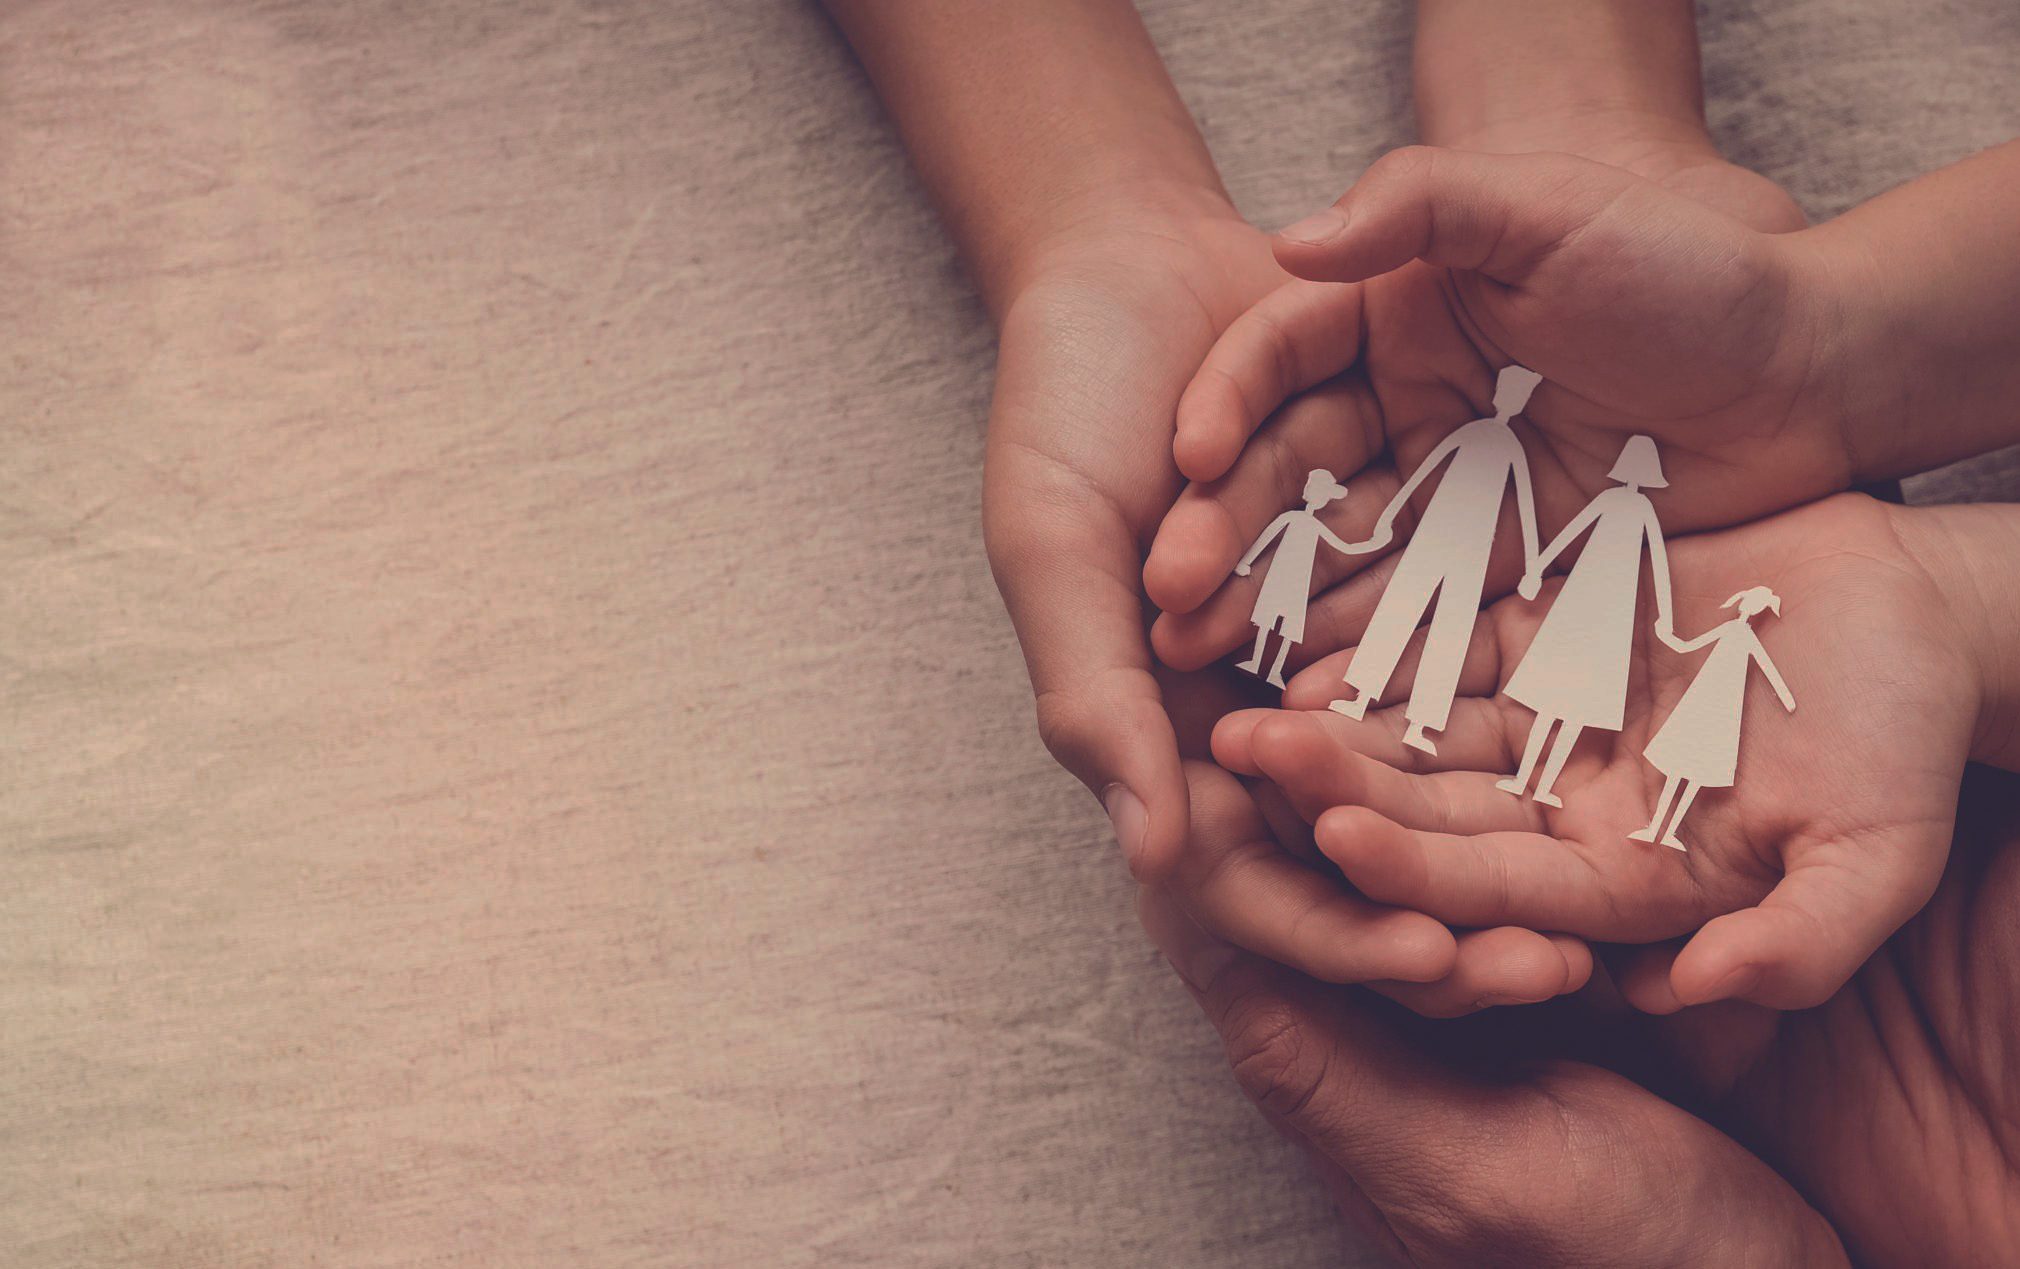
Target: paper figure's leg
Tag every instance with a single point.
(1445, 644)
(1388, 633)
(1682, 808)
(1353, 706)
(1254, 664)
(1276, 678)
(1539, 732)
(1560, 753)
(1414, 737)
(1662, 802)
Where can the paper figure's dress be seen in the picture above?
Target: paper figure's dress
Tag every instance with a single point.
(1576, 669)
(1287, 587)
(1700, 740)
(1446, 558)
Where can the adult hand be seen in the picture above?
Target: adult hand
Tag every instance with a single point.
(1889, 1107)
(1531, 1159)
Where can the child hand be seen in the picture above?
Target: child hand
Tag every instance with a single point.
(1835, 834)
(1249, 876)
(1646, 312)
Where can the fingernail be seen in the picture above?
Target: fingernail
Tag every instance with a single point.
(1495, 1000)
(1316, 229)
(1126, 813)
(1735, 984)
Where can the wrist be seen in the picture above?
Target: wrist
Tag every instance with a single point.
(1087, 225)
(1972, 556)
(1650, 143)
(1856, 352)
(1570, 75)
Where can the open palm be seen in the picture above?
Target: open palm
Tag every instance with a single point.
(1834, 834)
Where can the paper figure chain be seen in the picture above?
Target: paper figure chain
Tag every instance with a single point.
(1574, 674)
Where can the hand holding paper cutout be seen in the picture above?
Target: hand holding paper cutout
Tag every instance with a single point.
(1646, 313)
(1793, 877)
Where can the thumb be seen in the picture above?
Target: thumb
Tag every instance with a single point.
(1496, 214)
(1813, 931)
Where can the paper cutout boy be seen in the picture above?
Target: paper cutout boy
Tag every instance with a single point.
(1575, 670)
(1287, 587)
(1698, 746)
(1445, 563)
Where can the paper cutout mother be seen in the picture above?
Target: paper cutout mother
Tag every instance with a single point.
(1575, 671)
(1698, 746)
(1445, 563)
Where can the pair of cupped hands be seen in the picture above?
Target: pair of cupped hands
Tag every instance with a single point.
(1682, 300)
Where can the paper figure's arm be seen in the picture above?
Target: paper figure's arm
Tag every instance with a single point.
(1658, 563)
(1579, 524)
(1774, 676)
(1439, 453)
(1532, 577)
(1688, 645)
(1525, 506)
(1374, 543)
(1268, 535)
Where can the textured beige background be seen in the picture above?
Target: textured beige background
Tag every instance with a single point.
(474, 792)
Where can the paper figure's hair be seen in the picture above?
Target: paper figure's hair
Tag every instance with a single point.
(1320, 482)
(1753, 599)
(1638, 465)
(1512, 389)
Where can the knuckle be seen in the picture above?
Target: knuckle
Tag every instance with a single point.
(1279, 352)
(1278, 1058)
(1079, 723)
(1038, 505)
(1403, 164)
(1065, 725)
(1496, 894)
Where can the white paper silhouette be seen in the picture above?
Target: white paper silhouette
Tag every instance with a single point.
(1287, 587)
(1575, 671)
(1698, 746)
(1445, 563)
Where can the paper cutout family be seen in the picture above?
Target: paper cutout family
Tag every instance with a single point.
(1574, 675)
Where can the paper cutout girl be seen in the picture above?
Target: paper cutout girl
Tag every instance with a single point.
(1698, 746)
(1287, 587)
(1445, 563)
(1575, 671)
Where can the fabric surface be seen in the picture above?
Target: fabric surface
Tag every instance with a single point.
(514, 756)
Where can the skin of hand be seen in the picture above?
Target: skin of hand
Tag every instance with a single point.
(1443, 1159)
(1833, 835)
(1576, 1133)
(1673, 307)
(1094, 352)
(1251, 875)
